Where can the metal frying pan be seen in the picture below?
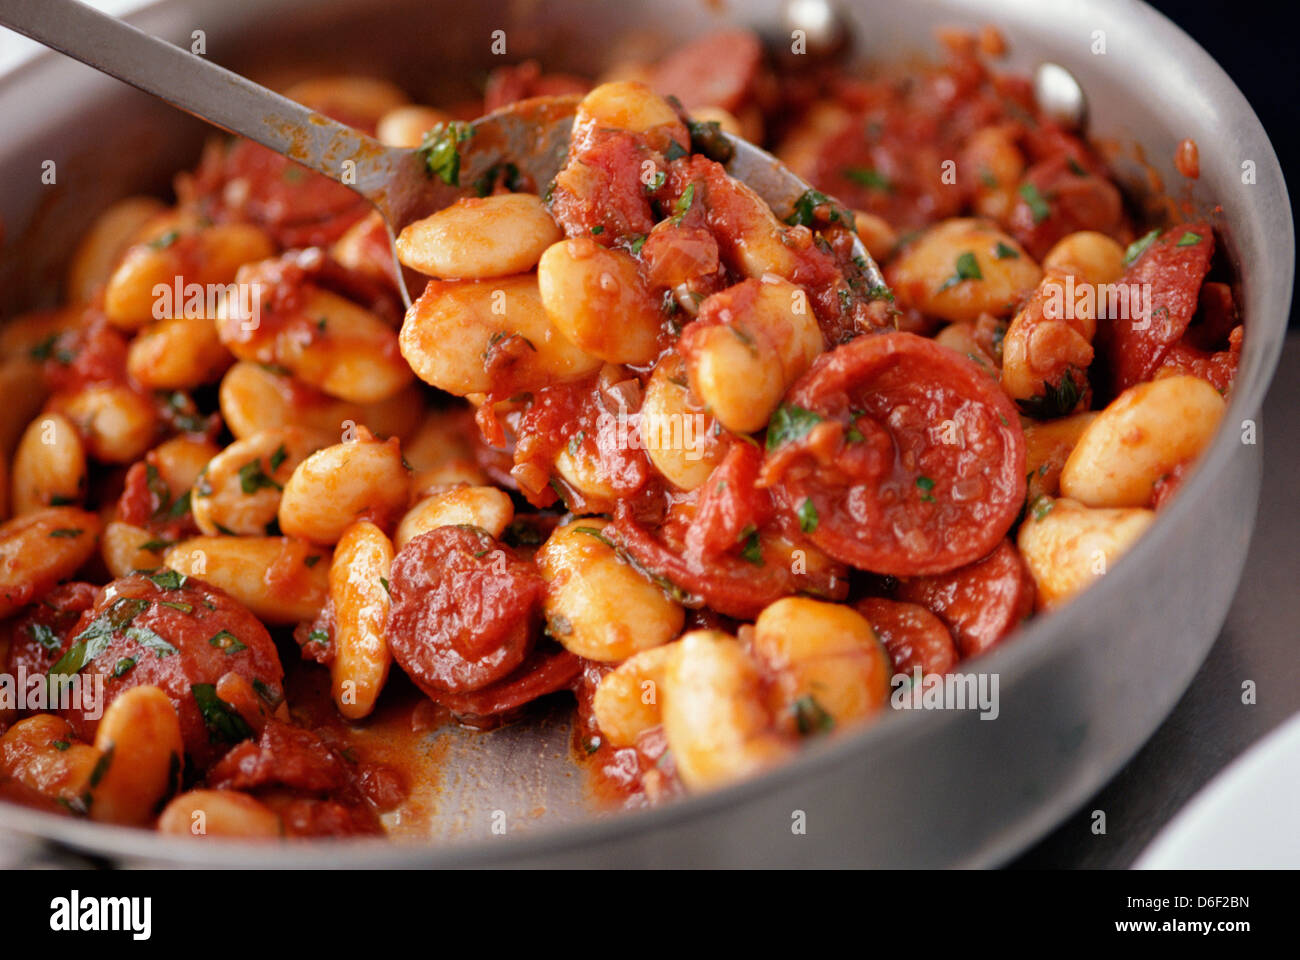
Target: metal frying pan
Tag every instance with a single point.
(1080, 690)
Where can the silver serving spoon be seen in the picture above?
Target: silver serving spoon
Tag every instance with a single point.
(532, 135)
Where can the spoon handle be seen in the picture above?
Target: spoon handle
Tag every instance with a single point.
(207, 91)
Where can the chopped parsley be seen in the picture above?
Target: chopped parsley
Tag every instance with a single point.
(440, 148)
(1139, 246)
(1037, 205)
(968, 268)
(168, 580)
(808, 517)
(866, 177)
(752, 550)
(811, 717)
(227, 641)
(1188, 239)
(67, 532)
(223, 721)
(45, 636)
(165, 241)
(252, 478)
(790, 423)
(278, 457)
(684, 203)
(94, 640)
(805, 210)
(926, 485)
(1056, 401)
(1004, 252)
(123, 667)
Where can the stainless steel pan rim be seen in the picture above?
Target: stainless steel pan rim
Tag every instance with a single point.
(1268, 278)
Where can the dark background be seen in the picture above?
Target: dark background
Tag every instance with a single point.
(1255, 43)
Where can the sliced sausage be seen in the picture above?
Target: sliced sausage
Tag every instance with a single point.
(980, 603)
(898, 456)
(465, 611)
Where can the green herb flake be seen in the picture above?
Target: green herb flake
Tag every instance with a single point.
(752, 550)
(1189, 239)
(150, 641)
(177, 605)
(790, 423)
(1139, 246)
(1056, 401)
(227, 641)
(383, 582)
(92, 641)
(597, 230)
(252, 478)
(597, 534)
(123, 667)
(866, 177)
(805, 210)
(278, 457)
(267, 692)
(808, 517)
(45, 636)
(165, 241)
(441, 150)
(811, 717)
(684, 203)
(968, 268)
(101, 767)
(1037, 205)
(1041, 507)
(1004, 252)
(223, 721)
(926, 485)
(675, 151)
(60, 745)
(575, 443)
(168, 579)
(67, 532)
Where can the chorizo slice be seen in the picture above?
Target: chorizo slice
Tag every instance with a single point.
(465, 610)
(1172, 267)
(913, 635)
(718, 70)
(770, 565)
(898, 456)
(179, 634)
(547, 669)
(980, 603)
